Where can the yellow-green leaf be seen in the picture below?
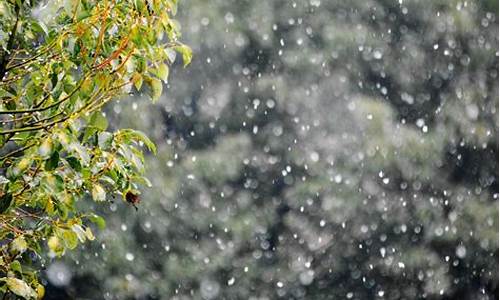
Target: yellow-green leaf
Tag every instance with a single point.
(137, 80)
(156, 89)
(21, 288)
(70, 239)
(98, 121)
(186, 53)
(98, 220)
(98, 192)
(55, 245)
(40, 291)
(19, 245)
(80, 233)
(88, 233)
(163, 72)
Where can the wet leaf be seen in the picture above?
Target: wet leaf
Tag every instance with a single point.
(98, 193)
(19, 245)
(20, 288)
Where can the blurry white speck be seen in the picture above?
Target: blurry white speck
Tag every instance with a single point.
(314, 156)
(129, 257)
(205, 21)
(307, 277)
(229, 18)
(59, 274)
(209, 289)
(338, 178)
(461, 251)
(316, 3)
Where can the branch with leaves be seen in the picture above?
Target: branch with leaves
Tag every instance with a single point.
(60, 63)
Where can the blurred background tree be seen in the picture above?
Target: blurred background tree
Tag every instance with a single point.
(314, 150)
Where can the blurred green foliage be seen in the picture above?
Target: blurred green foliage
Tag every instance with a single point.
(313, 150)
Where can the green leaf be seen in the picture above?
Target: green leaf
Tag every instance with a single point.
(20, 288)
(142, 180)
(5, 202)
(40, 27)
(98, 121)
(137, 80)
(134, 158)
(98, 220)
(52, 162)
(139, 5)
(55, 183)
(130, 134)
(62, 209)
(156, 89)
(70, 239)
(18, 245)
(137, 36)
(186, 53)
(162, 72)
(74, 163)
(16, 266)
(55, 245)
(88, 233)
(49, 206)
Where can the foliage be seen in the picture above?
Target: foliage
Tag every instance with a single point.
(60, 63)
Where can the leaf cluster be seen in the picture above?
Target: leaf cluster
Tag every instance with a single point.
(60, 63)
